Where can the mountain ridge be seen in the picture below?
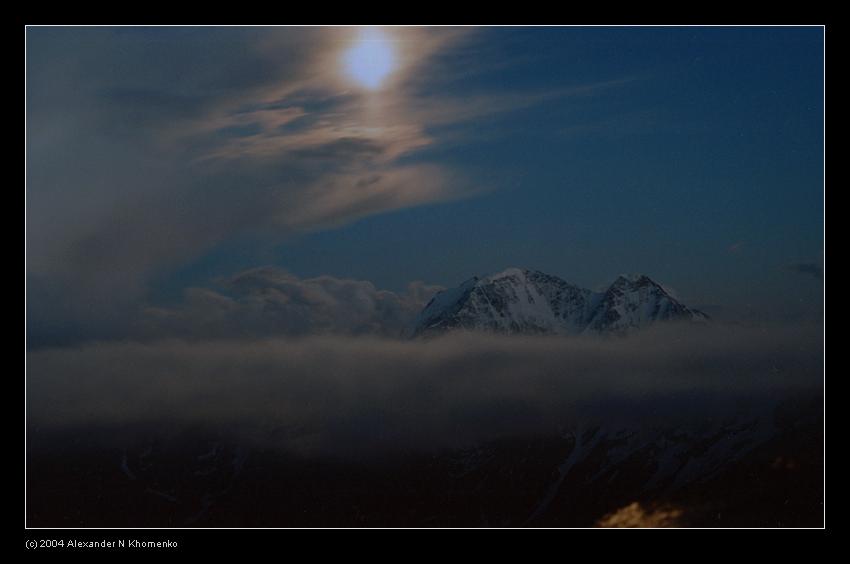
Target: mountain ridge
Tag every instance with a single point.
(526, 301)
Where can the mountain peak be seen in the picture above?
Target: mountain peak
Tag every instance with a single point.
(638, 279)
(511, 272)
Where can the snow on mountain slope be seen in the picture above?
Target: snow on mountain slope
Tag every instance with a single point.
(635, 301)
(528, 302)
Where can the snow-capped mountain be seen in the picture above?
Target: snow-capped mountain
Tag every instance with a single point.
(528, 301)
(636, 301)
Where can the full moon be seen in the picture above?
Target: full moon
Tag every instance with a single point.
(370, 59)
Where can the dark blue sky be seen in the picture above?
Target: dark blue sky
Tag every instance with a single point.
(703, 169)
(694, 155)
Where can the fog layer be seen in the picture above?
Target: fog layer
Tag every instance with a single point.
(343, 394)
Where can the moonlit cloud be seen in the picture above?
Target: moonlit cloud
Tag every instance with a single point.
(148, 148)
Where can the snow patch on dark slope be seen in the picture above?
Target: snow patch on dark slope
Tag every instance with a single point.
(532, 302)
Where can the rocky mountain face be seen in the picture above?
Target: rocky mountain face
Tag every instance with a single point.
(532, 302)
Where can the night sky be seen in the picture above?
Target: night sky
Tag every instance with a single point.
(165, 166)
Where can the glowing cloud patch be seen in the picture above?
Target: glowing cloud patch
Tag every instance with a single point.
(370, 59)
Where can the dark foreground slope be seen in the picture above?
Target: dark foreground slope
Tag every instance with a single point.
(728, 473)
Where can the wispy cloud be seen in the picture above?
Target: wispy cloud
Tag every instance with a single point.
(149, 147)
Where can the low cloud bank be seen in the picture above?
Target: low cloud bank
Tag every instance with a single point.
(344, 394)
(269, 301)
